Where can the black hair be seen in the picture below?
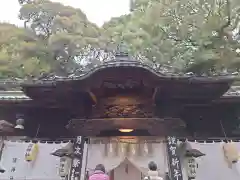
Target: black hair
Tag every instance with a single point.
(100, 167)
(152, 166)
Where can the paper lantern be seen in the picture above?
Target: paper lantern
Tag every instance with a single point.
(191, 167)
(31, 152)
(19, 123)
(230, 153)
(64, 166)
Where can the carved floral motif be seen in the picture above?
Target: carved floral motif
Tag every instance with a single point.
(123, 110)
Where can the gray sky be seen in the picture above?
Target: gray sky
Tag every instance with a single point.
(97, 11)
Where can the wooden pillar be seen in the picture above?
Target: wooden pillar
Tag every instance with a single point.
(76, 167)
(175, 170)
(112, 175)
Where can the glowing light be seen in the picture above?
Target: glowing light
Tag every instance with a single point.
(125, 130)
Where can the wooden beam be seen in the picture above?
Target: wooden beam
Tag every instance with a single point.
(93, 97)
(154, 94)
(125, 100)
(156, 125)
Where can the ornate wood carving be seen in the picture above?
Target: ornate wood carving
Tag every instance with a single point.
(124, 107)
(126, 111)
(124, 84)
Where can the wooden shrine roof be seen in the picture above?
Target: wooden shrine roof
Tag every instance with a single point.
(126, 71)
(13, 96)
(118, 61)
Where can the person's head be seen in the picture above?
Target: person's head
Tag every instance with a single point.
(100, 167)
(152, 166)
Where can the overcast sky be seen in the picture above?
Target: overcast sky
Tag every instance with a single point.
(97, 11)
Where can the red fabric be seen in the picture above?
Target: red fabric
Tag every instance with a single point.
(99, 175)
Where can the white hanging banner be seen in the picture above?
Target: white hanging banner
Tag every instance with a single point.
(78, 147)
(174, 161)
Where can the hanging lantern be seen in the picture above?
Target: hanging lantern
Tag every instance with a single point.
(189, 156)
(64, 166)
(31, 152)
(230, 153)
(191, 167)
(19, 122)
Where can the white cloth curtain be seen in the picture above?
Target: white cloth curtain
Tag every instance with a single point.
(96, 156)
(45, 167)
(213, 165)
(158, 155)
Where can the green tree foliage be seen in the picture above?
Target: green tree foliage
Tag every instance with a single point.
(200, 36)
(62, 29)
(17, 53)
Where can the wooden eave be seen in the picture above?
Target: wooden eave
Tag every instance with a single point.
(13, 96)
(19, 99)
(175, 86)
(231, 96)
(168, 84)
(156, 126)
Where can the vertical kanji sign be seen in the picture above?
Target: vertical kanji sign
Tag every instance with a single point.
(175, 169)
(13, 169)
(78, 146)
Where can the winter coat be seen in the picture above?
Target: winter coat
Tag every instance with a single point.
(153, 175)
(99, 175)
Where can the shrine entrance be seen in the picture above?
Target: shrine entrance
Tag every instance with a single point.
(126, 170)
(125, 146)
(125, 157)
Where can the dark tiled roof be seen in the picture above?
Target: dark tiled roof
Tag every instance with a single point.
(13, 95)
(234, 91)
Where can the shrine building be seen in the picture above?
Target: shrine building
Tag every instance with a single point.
(122, 112)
